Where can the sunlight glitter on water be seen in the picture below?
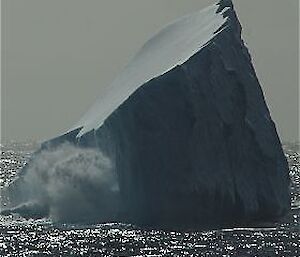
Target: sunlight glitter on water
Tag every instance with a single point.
(20, 237)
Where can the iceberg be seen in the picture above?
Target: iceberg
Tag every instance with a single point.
(185, 135)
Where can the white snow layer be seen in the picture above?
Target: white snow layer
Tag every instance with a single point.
(172, 46)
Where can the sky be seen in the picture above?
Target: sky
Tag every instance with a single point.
(58, 55)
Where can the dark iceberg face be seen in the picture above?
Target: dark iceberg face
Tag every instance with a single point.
(192, 147)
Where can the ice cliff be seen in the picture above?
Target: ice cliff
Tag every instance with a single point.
(187, 132)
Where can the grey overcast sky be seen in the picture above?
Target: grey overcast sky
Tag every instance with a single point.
(57, 56)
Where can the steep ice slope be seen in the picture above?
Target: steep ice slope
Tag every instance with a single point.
(173, 46)
(190, 138)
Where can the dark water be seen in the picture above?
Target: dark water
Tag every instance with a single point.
(19, 237)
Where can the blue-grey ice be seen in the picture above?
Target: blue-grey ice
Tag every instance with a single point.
(182, 138)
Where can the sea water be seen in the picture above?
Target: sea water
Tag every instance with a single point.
(21, 237)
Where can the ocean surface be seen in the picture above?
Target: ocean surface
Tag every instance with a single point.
(21, 237)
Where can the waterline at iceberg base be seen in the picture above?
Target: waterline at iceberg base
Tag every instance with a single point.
(181, 139)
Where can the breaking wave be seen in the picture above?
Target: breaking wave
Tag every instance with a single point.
(67, 184)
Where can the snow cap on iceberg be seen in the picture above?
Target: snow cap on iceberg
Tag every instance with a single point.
(170, 47)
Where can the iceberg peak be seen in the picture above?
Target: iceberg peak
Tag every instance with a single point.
(170, 47)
